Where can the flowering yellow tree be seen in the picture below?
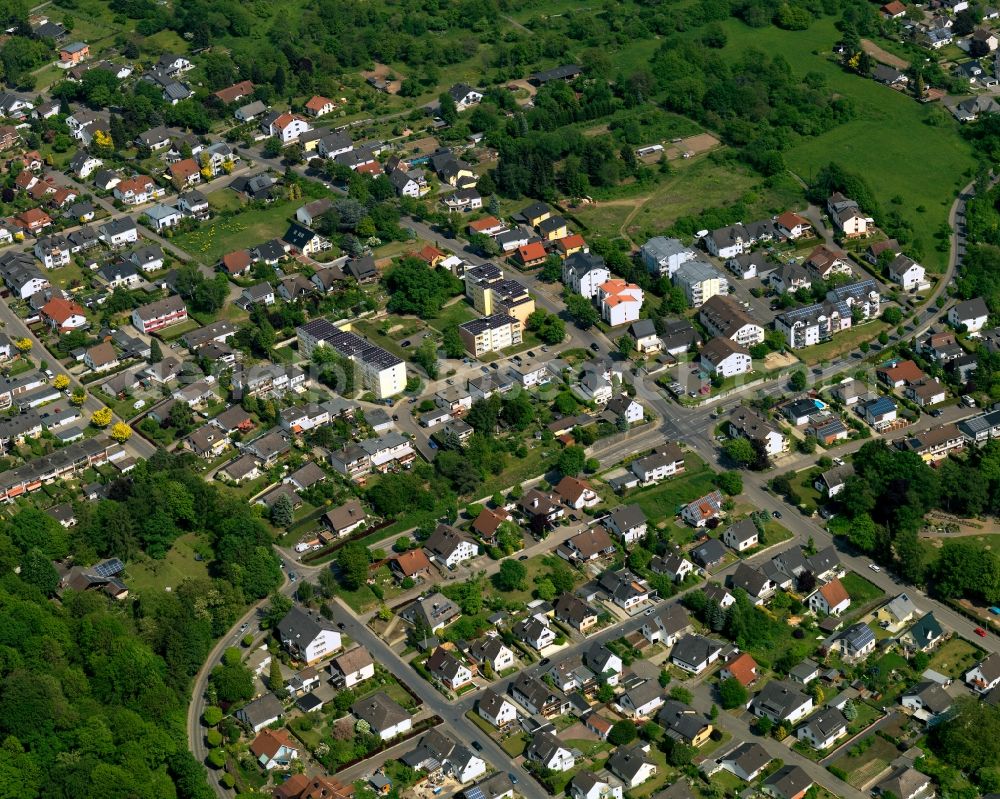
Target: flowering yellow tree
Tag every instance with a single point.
(120, 432)
(60, 382)
(101, 418)
(23, 344)
(79, 396)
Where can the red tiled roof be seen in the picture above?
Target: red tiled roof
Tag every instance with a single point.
(184, 169)
(233, 93)
(236, 261)
(533, 251)
(834, 593)
(743, 668)
(318, 102)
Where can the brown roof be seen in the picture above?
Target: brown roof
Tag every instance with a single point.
(571, 489)
(270, 741)
(233, 93)
(317, 102)
(236, 261)
(102, 353)
(834, 593)
(907, 371)
(412, 562)
(353, 660)
(592, 542)
(59, 310)
(790, 219)
(292, 788)
(743, 668)
(489, 520)
(720, 348)
(184, 169)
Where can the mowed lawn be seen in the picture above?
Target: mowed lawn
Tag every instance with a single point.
(660, 502)
(888, 142)
(246, 229)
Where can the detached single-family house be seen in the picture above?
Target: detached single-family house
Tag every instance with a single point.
(781, 702)
(985, 675)
(306, 636)
(972, 314)
(386, 717)
(546, 749)
(695, 653)
(353, 667)
(830, 598)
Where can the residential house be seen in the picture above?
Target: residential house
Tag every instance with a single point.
(709, 554)
(970, 314)
(880, 413)
(856, 642)
(63, 315)
(587, 785)
(345, 519)
(448, 670)
(846, 216)
(449, 547)
(907, 273)
(747, 423)
(907, 783)
(758, 585)
(625, 588)
(413, 564)
(576, 493)
(584, 272)
(788, 782)
(641, 699)
(695, 653)
(620, 302)
(434, 611)
(923, 636)
(830, 599)
(667, 624)
(701, 510)
(496, 709)
(747, 761)
(628, 522)
(384, 715)
(535, 631)
(726, 358)
(897, 613)
(781, 702)
(724, 316)
(985, 675)
(742, 668)
(673, 565)
(684, 723)
(492, 650)
(927, 701)
(538, 698)
(261, 712)
(274, 749)
(547, 750)
(631, 764)
(587, 545)
(307, 636)
(824, 729)
(570, 609)
(742, 535)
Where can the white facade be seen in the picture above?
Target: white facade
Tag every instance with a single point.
(736, 363)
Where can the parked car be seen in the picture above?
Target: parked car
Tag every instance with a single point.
(995, 611)
(980, 632)
(874, 567)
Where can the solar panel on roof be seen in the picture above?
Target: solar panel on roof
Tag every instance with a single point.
(109, 567)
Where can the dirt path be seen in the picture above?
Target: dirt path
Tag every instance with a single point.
(883, 56)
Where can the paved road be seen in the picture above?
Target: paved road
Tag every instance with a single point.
(15, 328)
(452, 714)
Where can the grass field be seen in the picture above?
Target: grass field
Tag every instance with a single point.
(882, 116)
(954, 657)
(158, 575)
(660, 502)
(861, 591)
(695, 186)
(253, 226)
(863, 761)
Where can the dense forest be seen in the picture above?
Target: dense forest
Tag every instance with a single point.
(884, 505)
(93, 693)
